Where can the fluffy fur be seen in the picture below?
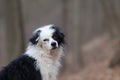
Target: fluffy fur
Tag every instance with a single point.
(41, 60)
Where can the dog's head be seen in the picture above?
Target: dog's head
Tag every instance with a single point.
(48, 37)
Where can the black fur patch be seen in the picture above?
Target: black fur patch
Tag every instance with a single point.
(34, 40)
(22, 68)
(57, 35)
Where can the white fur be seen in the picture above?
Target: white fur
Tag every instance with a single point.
(48, 61)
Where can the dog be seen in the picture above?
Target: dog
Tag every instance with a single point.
(41, 61)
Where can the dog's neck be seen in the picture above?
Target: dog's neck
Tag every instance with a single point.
(48, 62)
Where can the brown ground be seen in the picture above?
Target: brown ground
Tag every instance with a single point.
(97, 66)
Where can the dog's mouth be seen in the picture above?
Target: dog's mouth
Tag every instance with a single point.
(53, 48)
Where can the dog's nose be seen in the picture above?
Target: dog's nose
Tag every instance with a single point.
(53, 44)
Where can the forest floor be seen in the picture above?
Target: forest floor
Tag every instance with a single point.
(96, 69)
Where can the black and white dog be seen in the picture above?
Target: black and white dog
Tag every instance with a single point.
(41, 60)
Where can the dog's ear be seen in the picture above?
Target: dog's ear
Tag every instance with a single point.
(62, 35)
(35, 38)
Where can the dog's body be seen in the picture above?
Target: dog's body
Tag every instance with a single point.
(41, 60)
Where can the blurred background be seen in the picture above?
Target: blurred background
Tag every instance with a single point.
(92, 29)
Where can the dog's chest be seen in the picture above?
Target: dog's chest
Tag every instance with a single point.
(48, 69)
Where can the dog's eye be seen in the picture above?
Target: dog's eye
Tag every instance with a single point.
(55, 37)
(46, 40)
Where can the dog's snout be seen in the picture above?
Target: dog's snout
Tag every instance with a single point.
(53, 44)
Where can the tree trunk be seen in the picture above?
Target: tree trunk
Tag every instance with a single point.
(14, 29)
(72, 15)
(111, 18)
